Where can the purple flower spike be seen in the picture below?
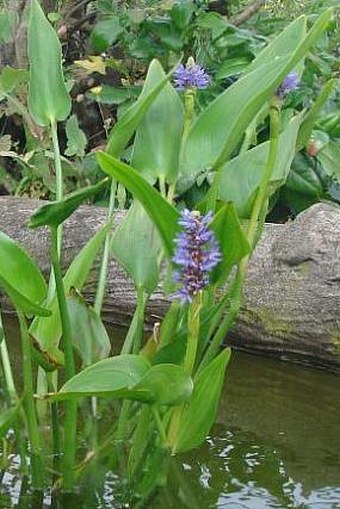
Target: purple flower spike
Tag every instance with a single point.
(290, 83)
(190, 76)
(197, 253)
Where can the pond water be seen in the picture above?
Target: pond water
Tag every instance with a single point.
(276, 444)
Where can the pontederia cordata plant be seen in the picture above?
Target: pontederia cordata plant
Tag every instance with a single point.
(166, 391)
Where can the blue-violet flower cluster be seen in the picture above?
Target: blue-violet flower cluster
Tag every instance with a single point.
(290, 83)
(197, 253)
(190, 76)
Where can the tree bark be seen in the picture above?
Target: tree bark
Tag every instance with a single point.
(292, 293)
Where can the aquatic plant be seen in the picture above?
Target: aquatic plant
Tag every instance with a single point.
(161, 386)
(197, 253)
(191, 75)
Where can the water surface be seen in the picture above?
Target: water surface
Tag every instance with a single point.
(276, 444)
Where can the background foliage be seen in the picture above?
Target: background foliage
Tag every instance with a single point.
(107, 46)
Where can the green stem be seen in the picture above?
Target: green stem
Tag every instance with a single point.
(6, 364)
(122, 428)
(162, 187)
(33, 430)
(106, 253)
(55, 423)
(57, 161)
(64, 316)
(71, 406)
(262, 194)
(69, 453)
(193, 332)
(189, 109)
(228, 320)
(189, 363)
(14, 398)
(171, 192)
(159, 425)
(141, 301)
(212, 194)
(257, 219)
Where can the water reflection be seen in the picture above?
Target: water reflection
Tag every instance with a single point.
(276, 445)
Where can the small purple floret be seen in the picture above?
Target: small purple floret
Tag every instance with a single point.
(290, 83)
(190, 76)
(196, 254)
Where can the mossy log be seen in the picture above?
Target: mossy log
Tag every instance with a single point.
(292, 294)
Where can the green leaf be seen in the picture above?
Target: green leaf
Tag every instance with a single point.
(173, 352)
(303, 186)
(157, 142)
(165, 384)
(200, 413)
(76, 138)
(220, 127)
(181, 13)
(21, 278)
(231, 67)
(55, 213)
(129, 377)
(128, 123)
(241, 176)
(164, 216)
(311, 117)
(329, 157)
(105, 33)
(46, 332)
(89, 336)
(232, 241)
(136, 246)
(8, 21)
(48, 99)
(140, 440)
(10, 78)
(6, 419)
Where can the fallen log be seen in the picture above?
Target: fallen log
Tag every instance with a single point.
(292, 294)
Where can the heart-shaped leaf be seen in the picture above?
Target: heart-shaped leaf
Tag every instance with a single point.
(48, 99)
(89, 335)
(129, 377)
(129, 121)
(136, 246)
(164, 216)
(157, 143)
(46, 332)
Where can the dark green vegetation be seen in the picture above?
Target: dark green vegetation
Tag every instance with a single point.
(107, 47)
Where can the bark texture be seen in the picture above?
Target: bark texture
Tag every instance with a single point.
(292, 294)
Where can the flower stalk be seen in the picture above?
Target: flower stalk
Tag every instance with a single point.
(256, 222)
(32, 422)
(71, 406)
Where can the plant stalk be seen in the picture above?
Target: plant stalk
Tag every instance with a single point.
(57, 161)
(6, 364)
(188, 364)
(258, 215)
(193, 332)
(106, 253)
(71, 406)
(32, 422)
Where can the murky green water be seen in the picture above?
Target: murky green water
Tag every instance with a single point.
(276, 445)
